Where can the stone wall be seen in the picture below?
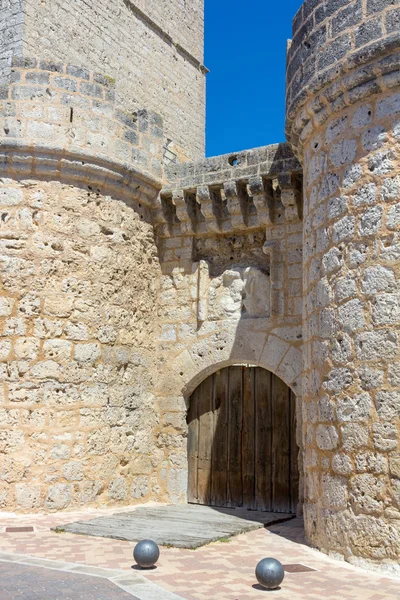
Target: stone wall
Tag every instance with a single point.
(182, 20)
(117, 301)
(60, 110)
(11, 33)
(79, 277)
(229, 233)
(154, 52)
(344, 123)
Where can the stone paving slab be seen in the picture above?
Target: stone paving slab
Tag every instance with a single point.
(186, 526)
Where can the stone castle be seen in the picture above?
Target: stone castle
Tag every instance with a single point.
(132, 268)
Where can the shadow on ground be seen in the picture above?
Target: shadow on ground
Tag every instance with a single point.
(292, 530)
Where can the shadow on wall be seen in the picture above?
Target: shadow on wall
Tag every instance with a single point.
(237, 364)
(230, 304)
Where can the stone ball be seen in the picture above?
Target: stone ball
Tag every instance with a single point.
(146, 554)
(270, 573)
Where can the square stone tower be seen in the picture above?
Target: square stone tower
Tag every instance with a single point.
(153, 50)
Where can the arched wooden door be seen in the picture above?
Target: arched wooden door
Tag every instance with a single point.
(242, 447)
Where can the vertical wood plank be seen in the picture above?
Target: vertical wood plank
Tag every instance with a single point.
(235, 487)
(280, 446)
(263, 440)
(205, 440)
(193, 446)
(294, 456)
(220, 441)
(248, 445)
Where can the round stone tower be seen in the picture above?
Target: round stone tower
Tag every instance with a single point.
(343, 121)
(78, 272)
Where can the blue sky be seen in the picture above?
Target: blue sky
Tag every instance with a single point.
(245, 50)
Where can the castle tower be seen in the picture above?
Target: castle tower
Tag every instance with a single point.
(153, 51)
(83, 149)
(343, 121)
(79, 274)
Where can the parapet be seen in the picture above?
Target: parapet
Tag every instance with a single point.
(341, 52)
(230, 193)
(62, 120)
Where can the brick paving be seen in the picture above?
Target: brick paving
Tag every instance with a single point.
(221, 571)
(35, 583)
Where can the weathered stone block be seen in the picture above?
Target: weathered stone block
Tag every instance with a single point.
(76, 331)
(388, 405)
(370, 378)
(385, 436)
(342, 464)
(391, 189)
(58, 306)
(367, 493)
(343, 152)
(343, 230)
(388, 106)
(5, 349)
(371, 345)
(352, 175)
(117, 489)
(140, 487)
(13, 469)
(351, 316)
(371, 462)
(332, 261)
(327, 437)
(355, 436)
(334, 491)
(91, 490)
(28, 496)
(356, 408)
(60, 451)
(394, 465)
(58, 496)
(386, 309)
(87, 353)
(371, 221)
(59, 350)
(393, 217)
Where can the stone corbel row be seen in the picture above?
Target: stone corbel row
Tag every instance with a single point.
(231, 206)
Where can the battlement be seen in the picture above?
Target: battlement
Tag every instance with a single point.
(230, 193)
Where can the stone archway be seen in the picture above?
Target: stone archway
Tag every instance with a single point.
(204, 355)
(242, 449)
(223, 349)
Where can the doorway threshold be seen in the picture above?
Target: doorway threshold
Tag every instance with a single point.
(179, 526)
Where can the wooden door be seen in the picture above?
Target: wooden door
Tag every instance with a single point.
(242, 447)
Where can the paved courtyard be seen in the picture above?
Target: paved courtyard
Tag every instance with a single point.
(223, 570)
(36, 583)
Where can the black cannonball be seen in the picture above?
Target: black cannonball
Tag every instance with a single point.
(270, 573)
(146, 554)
